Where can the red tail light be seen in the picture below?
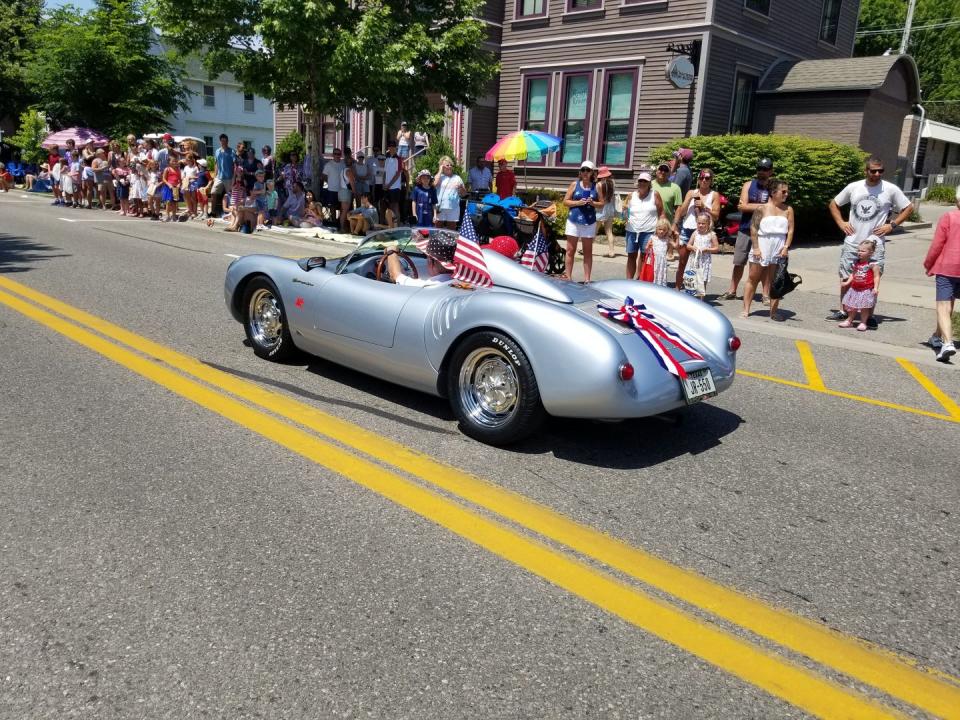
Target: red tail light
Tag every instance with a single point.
(625, 372)
(734, 343)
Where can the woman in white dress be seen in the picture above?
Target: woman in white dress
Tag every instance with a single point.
(771, 234)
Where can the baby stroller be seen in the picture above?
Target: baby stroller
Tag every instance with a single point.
(492, 217)
(528, 220)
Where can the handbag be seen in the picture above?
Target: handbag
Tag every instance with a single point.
(618, 203)
(646, 269)
(694, 279)
(783, 281)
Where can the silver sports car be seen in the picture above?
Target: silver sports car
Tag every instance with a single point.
(504, 356)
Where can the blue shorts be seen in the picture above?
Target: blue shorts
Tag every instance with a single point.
(685, 234)
(948, 288)
(637, 241)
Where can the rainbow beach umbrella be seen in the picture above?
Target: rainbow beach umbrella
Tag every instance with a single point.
(524, 145)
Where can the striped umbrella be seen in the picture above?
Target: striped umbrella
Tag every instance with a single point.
(81, 136)
(524, 145)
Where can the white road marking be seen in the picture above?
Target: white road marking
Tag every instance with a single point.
(67, 219)
(231, 255)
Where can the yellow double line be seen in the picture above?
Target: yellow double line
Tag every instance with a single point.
(744, 658)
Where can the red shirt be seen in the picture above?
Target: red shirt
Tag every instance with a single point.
(862, 276)
(52, 160)
(943, 257)
(171, 176)
(506, 183)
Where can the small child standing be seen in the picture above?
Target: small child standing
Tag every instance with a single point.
(662, 242)
(88, 183)
(423, 199)
(272, 199)
(153, 190)
(170, 189)
(861, 287)
(703, 244)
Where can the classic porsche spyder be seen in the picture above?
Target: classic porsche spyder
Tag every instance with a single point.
(503, 356)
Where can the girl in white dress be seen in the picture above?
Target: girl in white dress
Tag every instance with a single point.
(771, 234)
(703, 244)
(662, 242)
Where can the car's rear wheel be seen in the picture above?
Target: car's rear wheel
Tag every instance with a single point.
(493, 391)
(265, 321)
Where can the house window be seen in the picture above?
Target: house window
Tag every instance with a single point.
(531, 8)
(741, 119)
(573, 124)
(830, 21)
(208, 142)
(617, 120)
(209, 99)
(758, 6)
(248, 102)
(537, 101)
(578, 5)
(329, 135)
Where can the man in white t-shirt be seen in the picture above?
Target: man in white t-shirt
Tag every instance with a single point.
(332, 174)
(439, 246)
(871, 201)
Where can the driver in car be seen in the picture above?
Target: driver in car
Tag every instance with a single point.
(439, 247)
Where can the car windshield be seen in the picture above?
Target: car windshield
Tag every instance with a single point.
(374, 244)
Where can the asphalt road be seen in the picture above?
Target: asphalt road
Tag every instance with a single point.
(172, 545)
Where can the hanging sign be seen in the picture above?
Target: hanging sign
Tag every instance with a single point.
(680, 72)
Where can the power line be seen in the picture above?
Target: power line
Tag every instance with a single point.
(934, 26)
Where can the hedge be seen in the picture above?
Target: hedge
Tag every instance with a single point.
(942, 193)
(816, 170)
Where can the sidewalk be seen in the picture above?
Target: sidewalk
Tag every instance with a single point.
(904, 280)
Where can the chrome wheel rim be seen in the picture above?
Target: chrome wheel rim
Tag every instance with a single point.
(266, 319)
(489, 387)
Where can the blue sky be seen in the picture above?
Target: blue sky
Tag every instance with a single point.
(83, 4)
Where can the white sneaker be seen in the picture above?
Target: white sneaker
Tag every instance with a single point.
(946, 352)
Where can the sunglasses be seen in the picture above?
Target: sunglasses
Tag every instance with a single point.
(875, 171)
(585, 170)
(706, 177)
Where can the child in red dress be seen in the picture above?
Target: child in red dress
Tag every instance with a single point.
(861, 287)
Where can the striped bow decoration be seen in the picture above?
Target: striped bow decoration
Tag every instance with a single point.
(653, 332)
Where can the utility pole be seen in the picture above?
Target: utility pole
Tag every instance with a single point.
(906, 30)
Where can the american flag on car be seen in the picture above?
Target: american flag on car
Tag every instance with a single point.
(537, 255)
(471, 267)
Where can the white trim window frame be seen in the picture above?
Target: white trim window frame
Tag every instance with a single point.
(249, 102)
(209, 96)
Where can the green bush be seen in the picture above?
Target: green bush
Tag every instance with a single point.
(211, 164)
(291, 143)
(430, 160)
(816, 170)
(942, 193)
(32, 131)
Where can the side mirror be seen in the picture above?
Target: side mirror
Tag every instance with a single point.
(308, 264)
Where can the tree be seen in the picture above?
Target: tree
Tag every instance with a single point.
(33, 129)
(96, 69)
(19, 21)
(293, 142)
(934, 44)
(384, 55)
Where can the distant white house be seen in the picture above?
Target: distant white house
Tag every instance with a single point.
(221, 106)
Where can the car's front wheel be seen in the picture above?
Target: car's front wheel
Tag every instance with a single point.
(265, 321)
(493, 391)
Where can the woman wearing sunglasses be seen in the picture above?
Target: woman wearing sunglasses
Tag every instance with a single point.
(703, 199)
(583, 199)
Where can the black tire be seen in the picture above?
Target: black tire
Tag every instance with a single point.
(506, 407)
(265, 321)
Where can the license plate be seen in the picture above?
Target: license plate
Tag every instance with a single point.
(699, 385)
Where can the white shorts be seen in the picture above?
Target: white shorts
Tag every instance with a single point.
(66, 184)
(449, 215)
(581, 231)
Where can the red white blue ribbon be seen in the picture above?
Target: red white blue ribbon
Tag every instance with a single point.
(653, 332)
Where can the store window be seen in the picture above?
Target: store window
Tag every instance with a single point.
(209, 99)
(745, 88)
(248, 102)
(617, 120)
(758, 6)
(830, 21)
(573, 124)
(531, 8)
(536, 103)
